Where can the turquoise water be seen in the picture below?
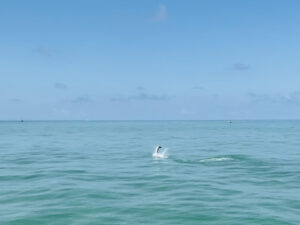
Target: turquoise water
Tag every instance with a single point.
(247, 172)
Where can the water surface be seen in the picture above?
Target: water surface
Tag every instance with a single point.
(79, 173)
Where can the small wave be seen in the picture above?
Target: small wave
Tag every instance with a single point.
(215, 159)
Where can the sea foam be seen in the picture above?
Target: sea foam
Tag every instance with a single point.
(215, 159)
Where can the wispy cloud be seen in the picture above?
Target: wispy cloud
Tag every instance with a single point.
(152, 97)
(16, 100)
(261, 97)
(186, 111)
(240, 66)
(140, 88)
(82, 99)
(293, 97)
(61, 111)
(44, 51)
(290, 98)
(59, 85)
(161, 13)
(199, 88)
(141, 97)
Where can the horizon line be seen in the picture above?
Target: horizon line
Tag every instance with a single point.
(120, 120)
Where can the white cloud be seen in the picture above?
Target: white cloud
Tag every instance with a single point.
(16, 100)
(82, 99)
(161, 13)
(198, 88)
(58, 85)
(141, 97)
(44, 51)
(240, 66)
(186, 111)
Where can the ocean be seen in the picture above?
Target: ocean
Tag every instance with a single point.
(103, 172)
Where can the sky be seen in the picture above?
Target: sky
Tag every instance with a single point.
(149, 60)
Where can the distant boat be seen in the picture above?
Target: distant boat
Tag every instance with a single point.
(22, 121)
(229, 121)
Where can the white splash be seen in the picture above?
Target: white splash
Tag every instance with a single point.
(163, 154)
(216, 159)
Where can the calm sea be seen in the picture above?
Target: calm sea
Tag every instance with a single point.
(89, 173)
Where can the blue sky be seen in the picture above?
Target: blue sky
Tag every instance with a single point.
(150, 59)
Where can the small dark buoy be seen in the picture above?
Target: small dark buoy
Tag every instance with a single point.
(22, 121)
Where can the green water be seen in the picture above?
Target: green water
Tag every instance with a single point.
(87, 173)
